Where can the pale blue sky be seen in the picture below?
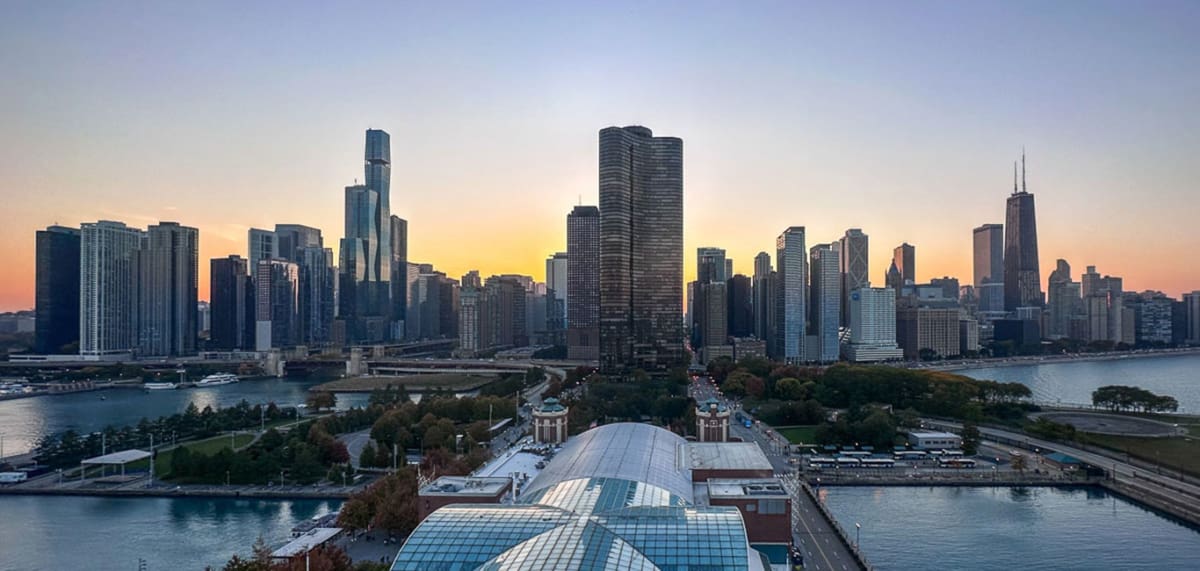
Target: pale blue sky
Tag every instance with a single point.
(901, 118)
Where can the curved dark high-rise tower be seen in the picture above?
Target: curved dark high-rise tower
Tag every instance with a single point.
(366, 262)
(641, 249)
(1022, 280)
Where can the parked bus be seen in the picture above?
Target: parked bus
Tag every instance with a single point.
(911, 455)
(856, 454)
(820, 462)
(878, 463)
(957, 463)
(845, 462)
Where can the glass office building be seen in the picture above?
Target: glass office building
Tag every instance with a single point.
(615, 497)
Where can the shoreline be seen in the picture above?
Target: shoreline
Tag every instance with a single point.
(185, 493)
(1055, 359)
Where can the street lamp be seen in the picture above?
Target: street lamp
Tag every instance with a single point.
(857, 534)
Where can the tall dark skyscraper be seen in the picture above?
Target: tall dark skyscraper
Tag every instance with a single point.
(168, 269)
(231, 303)
(366, 262)
(641, 249)
(905, 259)
(740, 300)
(399, 277)
(1022, 280)
(764, 300)
(583, 283)
(855, 267)
(314, 266)
(57, 290)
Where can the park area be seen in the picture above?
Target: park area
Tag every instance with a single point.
(799, 434)
(208, 446)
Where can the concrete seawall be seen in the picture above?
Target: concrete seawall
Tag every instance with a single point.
(1178, 506)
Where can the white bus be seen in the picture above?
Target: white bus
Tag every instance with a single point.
(878, 463)
(957, 463)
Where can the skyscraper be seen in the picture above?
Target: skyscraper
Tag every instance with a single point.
(710, 265)
(855, 262)
(108, 287)
(399, 277)
(583, 283)
(56, 290)
(262, 245)
(276, 299)
(168, 275)
(366, 260)
(905, 259)
(712, 326)
(232, 304)
(988, 258)
(763, 297)
(709, 326)
(1191, 312)
(739, 292)
(825, 300)
(1065, 301)
(791, 307)
(556, 298)
(894, 279)
(290, 238)
(641, 249)
(873, 325)
(314, 305)
(1022, 280)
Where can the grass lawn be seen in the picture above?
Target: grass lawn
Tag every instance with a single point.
(799, 434)
(425, 382)
(1174, 453)
(162, 464)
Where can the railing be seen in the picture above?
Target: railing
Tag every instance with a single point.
(837, 527)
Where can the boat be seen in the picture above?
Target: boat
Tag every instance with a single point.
(160, 386)
(217, 379)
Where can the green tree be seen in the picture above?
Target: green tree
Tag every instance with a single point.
(322, 400)
(790, 389)
(970, 438)
(306, 469)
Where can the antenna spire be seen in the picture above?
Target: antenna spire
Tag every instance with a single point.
(1023, 187)
(1014, 177)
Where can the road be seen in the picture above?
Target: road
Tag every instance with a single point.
(1123, 472)
(822, 548)
(355, 442)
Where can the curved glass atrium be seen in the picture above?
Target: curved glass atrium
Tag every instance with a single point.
(616, 497)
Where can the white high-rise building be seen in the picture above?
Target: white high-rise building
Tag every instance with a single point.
(873, 325)
(791, 305)
(825, 301)
(108, 287)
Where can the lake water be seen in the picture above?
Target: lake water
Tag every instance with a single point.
(1001, 529)
(111, 534)
(1073, 382)
(24, 421)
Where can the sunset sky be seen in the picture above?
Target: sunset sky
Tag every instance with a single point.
(900, 118)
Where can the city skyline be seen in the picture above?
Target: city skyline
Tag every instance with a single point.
(887, 156)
